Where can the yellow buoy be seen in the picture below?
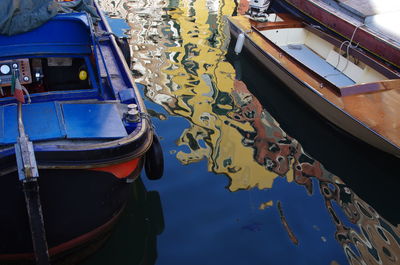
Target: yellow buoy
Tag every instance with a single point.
(82, 75)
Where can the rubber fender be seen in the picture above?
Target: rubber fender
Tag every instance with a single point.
(154, 160)
(239, 43)
(126, 50)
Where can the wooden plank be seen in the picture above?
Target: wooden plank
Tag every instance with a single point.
(370, 87)
(288, 21)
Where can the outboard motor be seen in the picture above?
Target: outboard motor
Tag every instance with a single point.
(258, 10)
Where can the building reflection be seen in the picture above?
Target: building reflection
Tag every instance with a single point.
(179, 50)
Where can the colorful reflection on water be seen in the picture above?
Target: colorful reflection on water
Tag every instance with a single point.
(179, 52)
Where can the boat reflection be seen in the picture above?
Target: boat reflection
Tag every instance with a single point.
(366, 237)
(179, 50)
(134, 238)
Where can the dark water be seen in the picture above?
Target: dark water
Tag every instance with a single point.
(252, 175)
(371, 173)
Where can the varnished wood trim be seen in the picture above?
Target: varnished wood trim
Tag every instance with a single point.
(370, 87)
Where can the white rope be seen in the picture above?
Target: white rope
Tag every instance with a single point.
(27, 93)
(349, 45)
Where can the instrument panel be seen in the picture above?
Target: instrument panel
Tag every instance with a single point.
(20, 67)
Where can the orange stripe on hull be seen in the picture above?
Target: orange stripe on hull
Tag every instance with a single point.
(121, 170)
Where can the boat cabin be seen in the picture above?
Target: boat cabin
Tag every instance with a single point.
(73, 79)
(55, 59)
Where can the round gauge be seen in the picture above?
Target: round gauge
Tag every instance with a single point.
(5, 69)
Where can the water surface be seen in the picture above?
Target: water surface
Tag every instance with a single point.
(245, 181)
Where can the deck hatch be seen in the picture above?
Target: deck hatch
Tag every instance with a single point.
(42, 121)
(92, 121)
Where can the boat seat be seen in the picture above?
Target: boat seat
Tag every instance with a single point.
(316, 63)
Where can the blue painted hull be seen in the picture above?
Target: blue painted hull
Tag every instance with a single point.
(88, 147)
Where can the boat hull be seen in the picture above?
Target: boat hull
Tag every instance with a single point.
(313, 98)
(79, 207)
(86, 132)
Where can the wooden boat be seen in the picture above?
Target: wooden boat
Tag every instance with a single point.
(84, 137)
(355, 92)
(371, 24)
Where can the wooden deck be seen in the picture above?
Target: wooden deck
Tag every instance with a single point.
(378, 110)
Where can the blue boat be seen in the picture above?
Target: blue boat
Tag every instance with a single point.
(73, 123)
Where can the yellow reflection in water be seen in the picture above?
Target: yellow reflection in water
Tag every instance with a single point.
(195, 82)
(265, 205)
(205, 83)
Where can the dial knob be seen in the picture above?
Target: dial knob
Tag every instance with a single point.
(5, 69)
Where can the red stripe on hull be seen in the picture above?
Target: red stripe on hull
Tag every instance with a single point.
(69, 245)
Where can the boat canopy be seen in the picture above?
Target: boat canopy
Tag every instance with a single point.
(21, 16)
(63, 34)
(32, 27)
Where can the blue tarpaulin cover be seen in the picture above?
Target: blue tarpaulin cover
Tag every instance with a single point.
(18, 16)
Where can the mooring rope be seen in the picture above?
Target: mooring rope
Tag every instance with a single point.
(349, 45)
